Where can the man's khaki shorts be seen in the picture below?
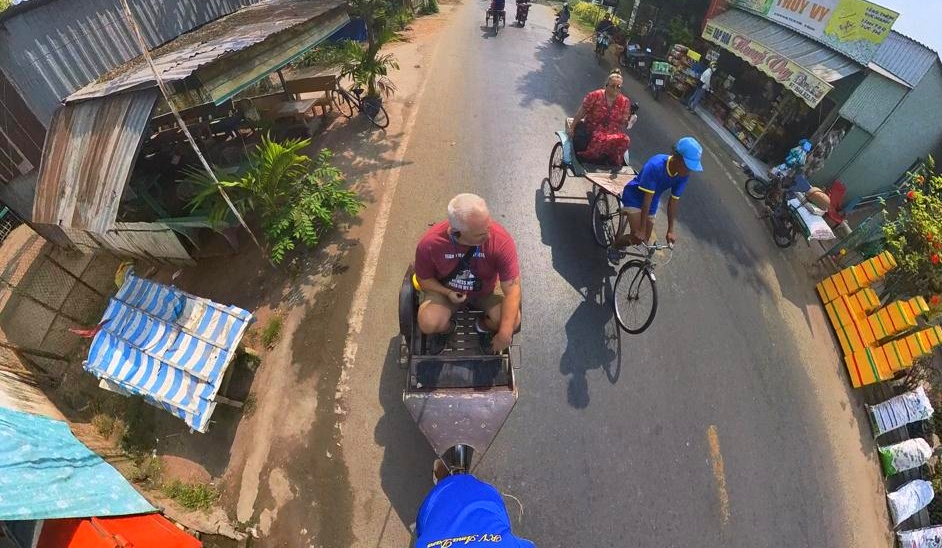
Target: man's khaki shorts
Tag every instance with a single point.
(483, 302)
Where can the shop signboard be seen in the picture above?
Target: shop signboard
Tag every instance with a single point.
(793, 76)
(855, 28)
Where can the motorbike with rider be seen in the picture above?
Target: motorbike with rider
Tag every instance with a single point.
(561, 28)
(523, 10)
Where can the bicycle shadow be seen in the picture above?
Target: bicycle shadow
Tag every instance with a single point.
(593, 339)
(488, 32)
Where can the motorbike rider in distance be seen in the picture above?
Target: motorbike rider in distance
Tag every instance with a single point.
(562, 18)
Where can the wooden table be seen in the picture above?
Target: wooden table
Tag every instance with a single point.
(295, 109)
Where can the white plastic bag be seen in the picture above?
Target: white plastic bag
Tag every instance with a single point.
(909, 499)
(930, 537)
(904, 456)
(899, 411)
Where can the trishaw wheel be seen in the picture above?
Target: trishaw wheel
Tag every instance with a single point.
(785, 236)
(604, 218)
(557, 169)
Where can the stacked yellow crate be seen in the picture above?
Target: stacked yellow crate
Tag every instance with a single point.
(853, 278)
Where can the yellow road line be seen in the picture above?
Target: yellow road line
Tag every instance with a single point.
(719, 473)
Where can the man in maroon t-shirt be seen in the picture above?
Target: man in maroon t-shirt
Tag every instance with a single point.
(464, 259)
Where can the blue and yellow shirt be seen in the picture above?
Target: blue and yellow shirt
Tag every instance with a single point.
(655, 178)
(464, 511)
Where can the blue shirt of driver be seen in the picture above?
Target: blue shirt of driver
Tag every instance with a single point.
(655, 178)
(464, 511)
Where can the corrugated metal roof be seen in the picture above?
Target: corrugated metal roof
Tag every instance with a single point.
(180, 57)
(905, 58)
(87, 159)
(823, 62)
(168, 346)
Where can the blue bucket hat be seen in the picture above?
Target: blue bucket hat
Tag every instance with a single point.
(691, 151)
(805, 145)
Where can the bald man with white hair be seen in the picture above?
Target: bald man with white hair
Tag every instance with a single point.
(468, 258)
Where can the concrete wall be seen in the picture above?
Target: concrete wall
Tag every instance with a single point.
(913, 129)
(60, 46)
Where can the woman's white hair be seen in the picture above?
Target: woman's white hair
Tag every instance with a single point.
(462, 208)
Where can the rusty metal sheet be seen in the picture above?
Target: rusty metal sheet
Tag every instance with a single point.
(235, 32)
(449, 417)
(87, 160)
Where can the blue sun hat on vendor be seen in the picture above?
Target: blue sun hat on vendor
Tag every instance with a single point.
(691, 151)
(805, 145)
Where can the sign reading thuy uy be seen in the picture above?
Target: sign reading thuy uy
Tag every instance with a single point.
(855, 28)
(793, 76)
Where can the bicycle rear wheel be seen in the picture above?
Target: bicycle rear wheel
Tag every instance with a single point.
(635, 299)
(377, 115)
(343, 103)
(604, 218)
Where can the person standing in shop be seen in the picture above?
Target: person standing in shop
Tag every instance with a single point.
(703, 87)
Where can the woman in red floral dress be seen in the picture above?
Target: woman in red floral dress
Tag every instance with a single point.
(608, 114)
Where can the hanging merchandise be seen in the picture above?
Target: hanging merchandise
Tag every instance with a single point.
(685, 74)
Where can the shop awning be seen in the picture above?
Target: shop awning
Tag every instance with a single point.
(229, 53)
(802, 65)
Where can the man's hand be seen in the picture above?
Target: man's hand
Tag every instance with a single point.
(671, 238)
(637, 237)
(501, 341)
(456, 297)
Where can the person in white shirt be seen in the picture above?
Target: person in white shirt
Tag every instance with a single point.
(702, 88)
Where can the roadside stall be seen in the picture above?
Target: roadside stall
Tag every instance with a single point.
(772, 86)
(685, 63)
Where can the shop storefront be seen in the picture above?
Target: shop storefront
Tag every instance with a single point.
(771, 86)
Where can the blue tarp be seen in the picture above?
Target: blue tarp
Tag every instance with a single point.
(168, 346)
(45, 473)
(354, 30)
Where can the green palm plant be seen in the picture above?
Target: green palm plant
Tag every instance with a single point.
(295, 197)
(368, 68)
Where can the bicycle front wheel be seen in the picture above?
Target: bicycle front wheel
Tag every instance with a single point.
(604, 218)
(635, 299)
(378, 116)
(343, 103)
(757, 188)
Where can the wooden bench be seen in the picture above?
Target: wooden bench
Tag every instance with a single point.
(314, 84)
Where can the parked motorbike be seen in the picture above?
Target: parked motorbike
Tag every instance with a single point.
(560, 32)
(774, 192)
(637, 61)
(523, 9)
(602, 40)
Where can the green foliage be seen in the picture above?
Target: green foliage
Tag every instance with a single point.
(588, 14)
(104, 424)
(295, 196)
(4, 4)
(192, 496)
(915, 238)
(272, 331)
(430, 7)
(138, 436)
(678, 32)
(146, 469)
(368, 69)
(325, 54)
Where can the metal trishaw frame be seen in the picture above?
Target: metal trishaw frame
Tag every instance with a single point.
(607, 185)
(459, 398)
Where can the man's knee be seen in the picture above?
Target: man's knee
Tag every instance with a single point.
(434, 319)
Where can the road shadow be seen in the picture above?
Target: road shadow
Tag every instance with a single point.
(406, 470)
(592, 335)
(554, 80)
(593, 341)
(488, 32)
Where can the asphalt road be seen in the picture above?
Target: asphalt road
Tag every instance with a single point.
(703, 431)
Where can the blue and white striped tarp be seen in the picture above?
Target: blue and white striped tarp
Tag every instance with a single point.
(168, 346)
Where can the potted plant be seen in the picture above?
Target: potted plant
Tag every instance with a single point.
(368, 69)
